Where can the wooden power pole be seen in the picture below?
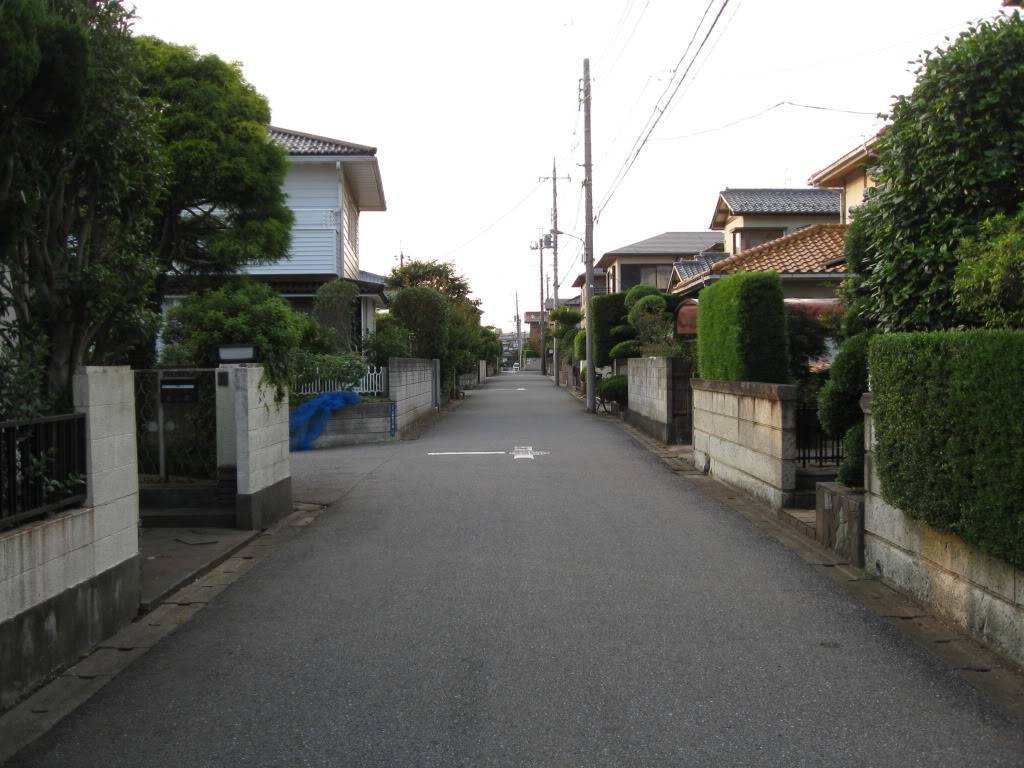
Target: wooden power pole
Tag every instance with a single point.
(588, 242)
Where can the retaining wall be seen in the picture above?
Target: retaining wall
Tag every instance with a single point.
(413, 389)
(367, 422)
(744, 433)
(68, 581)
(980, 593)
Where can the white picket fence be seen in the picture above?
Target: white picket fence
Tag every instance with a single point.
(375, 382)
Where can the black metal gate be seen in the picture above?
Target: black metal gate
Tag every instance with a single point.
(682, 399)
(176, 417)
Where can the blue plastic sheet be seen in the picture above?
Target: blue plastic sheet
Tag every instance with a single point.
(307, 422)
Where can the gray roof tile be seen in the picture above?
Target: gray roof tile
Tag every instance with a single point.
(297, 143)
(670, 244)
(768, 201)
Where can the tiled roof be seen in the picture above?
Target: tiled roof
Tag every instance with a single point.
(782, 201)
(701, 263)
(817, 249)
(297, 143)
(581, 278)
(670, 244)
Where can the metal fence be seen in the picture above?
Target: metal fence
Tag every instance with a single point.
(815, 447)
(375, 382)
(42, 466)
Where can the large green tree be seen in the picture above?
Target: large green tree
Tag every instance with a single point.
(80, 174)
(438, 275)
(223, 206)
(952, 156)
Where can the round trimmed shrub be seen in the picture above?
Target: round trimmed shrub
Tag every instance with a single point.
(628, 348)
(615, 389)
(637, 292)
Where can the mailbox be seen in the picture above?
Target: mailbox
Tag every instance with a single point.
(179, 389)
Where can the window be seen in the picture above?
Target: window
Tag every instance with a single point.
(657, 275)
(743, 239)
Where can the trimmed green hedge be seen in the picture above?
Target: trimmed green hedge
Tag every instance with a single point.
(630, 348)
(579, 346)
(741, 329)
(616, 389)
(637, 292)
(949, 425)
(609, 311)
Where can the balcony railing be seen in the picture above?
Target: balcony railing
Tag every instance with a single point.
(42, 467)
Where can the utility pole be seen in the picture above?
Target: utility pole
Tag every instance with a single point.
(588, 242)
(519, 334)
(539, 247)
(554, 249)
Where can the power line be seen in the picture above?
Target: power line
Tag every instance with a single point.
(653, 118)
(764, 111)
(625, 45)
(496, 222)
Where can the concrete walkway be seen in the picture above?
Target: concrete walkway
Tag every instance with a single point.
(572, 602)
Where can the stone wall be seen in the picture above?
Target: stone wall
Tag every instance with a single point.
(980, 593)
(468, 380)
(68, 581)
(650, 396)
(744, 433)
(413, 390)
(262, 457)
(367, 422)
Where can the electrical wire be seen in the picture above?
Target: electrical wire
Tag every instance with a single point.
(625, 45)
(496, 222)
(652, 119)
(660, 112)
(764, 111)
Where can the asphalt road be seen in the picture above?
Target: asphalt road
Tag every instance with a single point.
(583, 608)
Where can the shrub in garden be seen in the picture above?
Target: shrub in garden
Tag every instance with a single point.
(608, 311)
(741, 329)
(949, 428)
(579, 346)
(345, 368)
(391, 339)
(241, 312)
(839, 400)
(637, 292)
(567, 342)
(989, 284)
(615, 389)
(629, 348)
(424, 312)
(623, 332)
(333, 307)
(851, 470)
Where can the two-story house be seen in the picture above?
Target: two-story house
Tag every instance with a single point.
(650, 261)
(329, 183)
(751, 217)
(850, 176)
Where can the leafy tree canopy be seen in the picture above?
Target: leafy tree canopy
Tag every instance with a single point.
(80, 174)
(952, 157)
(424, 311)
(333, 308)
(438, 275)
(223, 207)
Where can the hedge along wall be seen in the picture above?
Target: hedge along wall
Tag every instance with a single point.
(949, 424)
(609, 311)
(741, 329)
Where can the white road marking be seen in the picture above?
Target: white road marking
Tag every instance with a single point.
(467, 453)
(519, 452)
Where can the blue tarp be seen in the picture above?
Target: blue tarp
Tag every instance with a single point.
(307, 421)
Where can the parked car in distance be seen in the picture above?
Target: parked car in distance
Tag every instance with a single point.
(515, 367)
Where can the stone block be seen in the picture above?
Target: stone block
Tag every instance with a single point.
(12, 601)
(116, 483)
(890, 524)
(1019, 589)
(53, 576)
(80, 565)
(951, 553)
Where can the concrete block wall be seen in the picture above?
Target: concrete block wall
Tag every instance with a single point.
(68, 581)
(367, 422)
(262, 460)
(412, 389)
(744, 433)
(980, 593)
(650, 396)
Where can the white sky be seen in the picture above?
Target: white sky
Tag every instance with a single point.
(468, 101)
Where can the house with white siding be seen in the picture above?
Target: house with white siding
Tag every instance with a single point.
(329, 183)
